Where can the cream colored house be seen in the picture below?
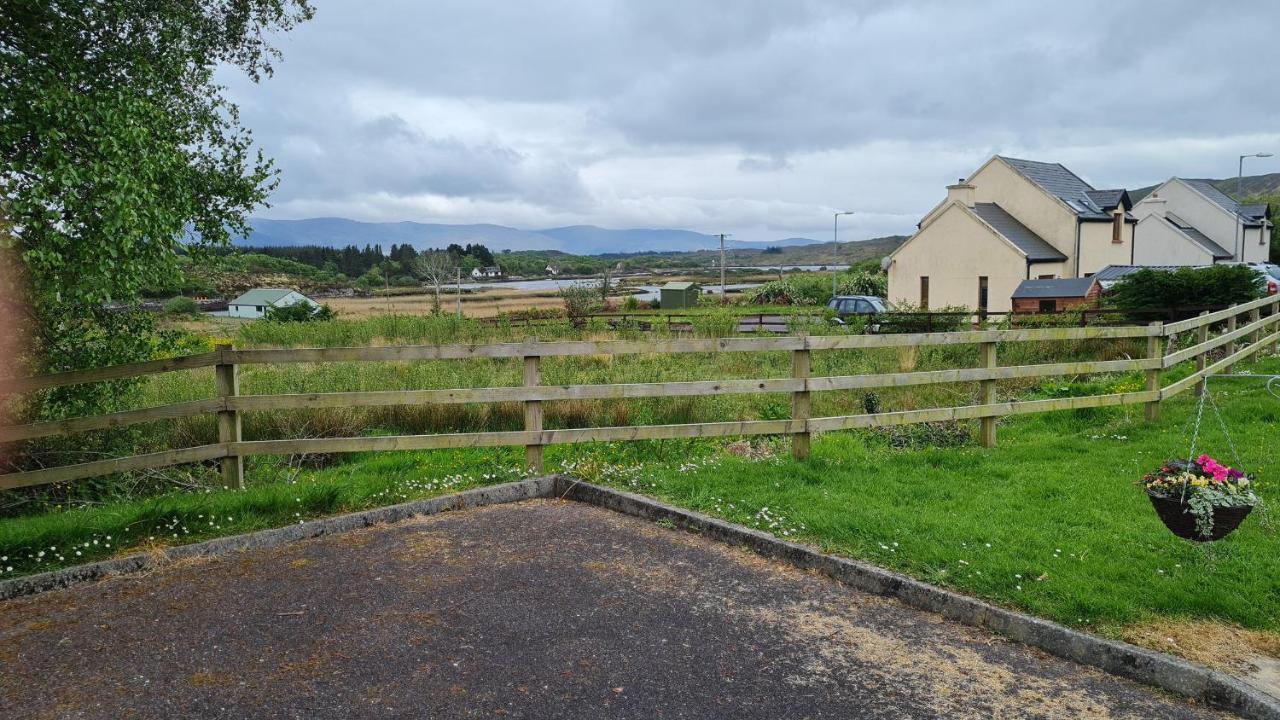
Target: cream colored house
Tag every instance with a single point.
(1012, 220)
(1191, 222)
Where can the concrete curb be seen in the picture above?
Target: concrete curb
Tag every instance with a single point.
(541, 487)
(1129, 661)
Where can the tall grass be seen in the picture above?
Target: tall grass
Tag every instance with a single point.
(482, 372)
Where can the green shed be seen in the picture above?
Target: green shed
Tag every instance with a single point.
(680, 295)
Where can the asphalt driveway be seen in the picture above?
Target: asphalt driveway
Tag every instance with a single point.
(541, 609)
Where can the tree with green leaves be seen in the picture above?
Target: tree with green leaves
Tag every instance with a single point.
(116, 144)
(1186, 287)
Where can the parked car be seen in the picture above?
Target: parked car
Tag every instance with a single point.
(855, 305)
(1270, 273)
(1273, 277)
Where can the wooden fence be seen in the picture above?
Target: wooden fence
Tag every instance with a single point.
(890, 321)
(1244, 330)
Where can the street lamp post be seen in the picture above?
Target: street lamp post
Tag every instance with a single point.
(1239, 246)
(835, 241)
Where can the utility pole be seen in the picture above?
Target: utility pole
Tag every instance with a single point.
(835, 242)
(722, 288)
(1238, 249)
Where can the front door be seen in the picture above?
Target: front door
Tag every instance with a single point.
(982, 297)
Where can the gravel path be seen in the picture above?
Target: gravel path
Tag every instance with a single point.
(540, 609)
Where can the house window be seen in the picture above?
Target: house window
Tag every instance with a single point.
(1117, 227)
(259, 308)
(924, 292)
(982, 296)
(1047, 277)
(1048, 306)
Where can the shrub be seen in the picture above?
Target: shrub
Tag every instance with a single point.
(631, 303)
(579, 302)
(815, 289)
(299, 312)
(908, 318)
(715, 324)
(181, 306)
(1186, 288)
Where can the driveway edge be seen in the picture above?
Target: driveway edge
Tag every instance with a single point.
(540, 487)
(1149, 667)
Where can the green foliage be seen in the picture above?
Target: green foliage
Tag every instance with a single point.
(116, 139)
(908, 318)
(181, 306)
(630, 303)
(1186, 287)
(815, 288)
(715, 324)
(299, 312)
(97, 339)
(579, 301)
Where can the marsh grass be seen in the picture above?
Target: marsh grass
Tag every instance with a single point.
(474, 373)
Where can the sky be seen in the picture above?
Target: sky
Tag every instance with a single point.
(754, 118)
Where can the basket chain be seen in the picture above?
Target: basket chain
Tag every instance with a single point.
(1195, 433)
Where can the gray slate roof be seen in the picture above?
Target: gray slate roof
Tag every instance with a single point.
(1255, 210)
(1217, 251)
(1056, 288)
(261, 296)
(1057, 180)
(1109, 199)
(1225, 201)
(1115, 272)
(1036, 247)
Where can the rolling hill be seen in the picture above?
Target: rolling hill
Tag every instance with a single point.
(575, 239)
(1250, 186)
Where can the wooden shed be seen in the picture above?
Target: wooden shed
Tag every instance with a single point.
(1054, 295)
(680, 295)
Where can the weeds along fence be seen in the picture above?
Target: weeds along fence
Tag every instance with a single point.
(780, 319)
(1226, 337)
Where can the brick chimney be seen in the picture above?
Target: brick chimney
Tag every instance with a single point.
(962, 192)
(1155, 205)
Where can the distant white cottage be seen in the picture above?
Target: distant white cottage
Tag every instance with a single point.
(492, 271)
(254, 303)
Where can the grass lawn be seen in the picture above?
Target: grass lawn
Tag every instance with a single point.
(1050, 522)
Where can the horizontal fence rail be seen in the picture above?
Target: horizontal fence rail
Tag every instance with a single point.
(1261, 329)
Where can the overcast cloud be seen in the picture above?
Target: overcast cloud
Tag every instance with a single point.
(756, 118)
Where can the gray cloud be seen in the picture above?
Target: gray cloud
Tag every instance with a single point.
(753, 117)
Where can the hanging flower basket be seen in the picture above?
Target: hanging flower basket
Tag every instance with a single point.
(1201, 499)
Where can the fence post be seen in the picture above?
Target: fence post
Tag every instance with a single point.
(987, 394)
(1275, 310)
(1254, 316)
(227, 379)
(1202, 336)
(532, 413)
(800, 403)
(1155, 351)
(1232, 346)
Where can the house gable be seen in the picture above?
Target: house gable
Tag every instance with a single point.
(1210, 213)
(1158, 241)
(1042, 212)
(954, 249)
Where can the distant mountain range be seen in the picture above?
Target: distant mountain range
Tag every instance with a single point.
(1250, 186)
(575, 239)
